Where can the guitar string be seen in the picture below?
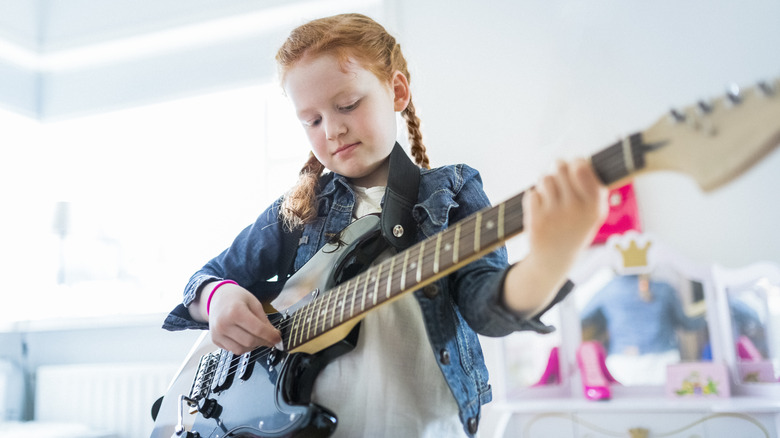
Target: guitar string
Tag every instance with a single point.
(349, 290)
(612, 159)
(261, 353)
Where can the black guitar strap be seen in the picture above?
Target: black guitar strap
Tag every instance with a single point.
(398, 225)
(399, 228)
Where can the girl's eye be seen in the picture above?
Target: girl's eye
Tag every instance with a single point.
(312, 123)
(350, 107)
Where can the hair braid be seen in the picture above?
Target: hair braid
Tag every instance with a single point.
(299, 204)
(418, 149)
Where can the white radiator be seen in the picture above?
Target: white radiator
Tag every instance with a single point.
(109, 397)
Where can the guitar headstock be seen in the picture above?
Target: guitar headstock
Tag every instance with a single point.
(715, 141)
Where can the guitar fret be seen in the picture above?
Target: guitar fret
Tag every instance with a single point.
(365, 289)
(343, 303)
(403, 272)
(302, 317)
(335, 304)
(354, 295)
(293, 329)
(627, 155)
(420, 262)
(446, 237)
(316, 316)
(324, 313)
(309, 316)
(456, 244)
(390, 277)
(477, 231)
(376, 283)
(301, 323)
(501, 208)
(436, 254)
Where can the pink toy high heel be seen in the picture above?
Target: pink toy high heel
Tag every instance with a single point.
(596, 378)
(747, 351)
(552, 374)
(603, 362)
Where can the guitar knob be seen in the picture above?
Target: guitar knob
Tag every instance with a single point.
(273, 358)
(733, 94)
(209, 408)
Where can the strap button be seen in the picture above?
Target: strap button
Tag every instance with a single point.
(431, 291)
(473, 424)
(444, 356)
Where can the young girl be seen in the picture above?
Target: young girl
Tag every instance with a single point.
(417, 369)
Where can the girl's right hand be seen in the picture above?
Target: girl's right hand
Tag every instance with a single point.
(237, 320)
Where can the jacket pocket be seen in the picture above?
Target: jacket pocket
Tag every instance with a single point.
(432, 214)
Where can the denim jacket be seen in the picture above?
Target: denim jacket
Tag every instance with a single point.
(456, 308)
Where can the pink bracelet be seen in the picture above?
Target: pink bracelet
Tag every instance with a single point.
(208, 303)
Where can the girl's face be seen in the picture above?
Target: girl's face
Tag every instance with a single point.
(348, 115)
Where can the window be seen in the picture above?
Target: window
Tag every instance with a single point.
(111, 213)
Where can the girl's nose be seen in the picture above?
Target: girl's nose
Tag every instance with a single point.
(334, 128)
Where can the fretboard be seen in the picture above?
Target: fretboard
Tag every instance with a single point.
(437, 256)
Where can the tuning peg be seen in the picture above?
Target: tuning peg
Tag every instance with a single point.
(733, 94)
(766, 88)
(704, 107)
(677, 116)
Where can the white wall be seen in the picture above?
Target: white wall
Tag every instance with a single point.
(510, 86)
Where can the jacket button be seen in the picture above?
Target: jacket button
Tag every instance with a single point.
(473, 423)
(444, 356)
(431, 291)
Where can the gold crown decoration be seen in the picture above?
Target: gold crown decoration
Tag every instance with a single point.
(634, 256)
(634, 251)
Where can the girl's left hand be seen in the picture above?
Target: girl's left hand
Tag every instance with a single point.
(561, 216)
(563, 212)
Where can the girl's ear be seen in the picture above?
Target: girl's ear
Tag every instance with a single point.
(401, 92)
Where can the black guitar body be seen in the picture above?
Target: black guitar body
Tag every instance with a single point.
(266, 393)
(275, 399)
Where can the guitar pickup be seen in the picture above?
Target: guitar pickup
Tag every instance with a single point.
(224, 371)
(245, 366)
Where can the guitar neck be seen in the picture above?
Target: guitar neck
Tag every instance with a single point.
(439, 255)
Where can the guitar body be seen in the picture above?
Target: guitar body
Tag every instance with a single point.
(266, 393)
(256, 406)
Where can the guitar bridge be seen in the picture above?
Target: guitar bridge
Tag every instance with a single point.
(201, 385)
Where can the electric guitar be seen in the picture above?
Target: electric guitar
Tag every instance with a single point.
(266, 392)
